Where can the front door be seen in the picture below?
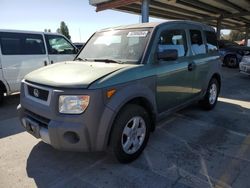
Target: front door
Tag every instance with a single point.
(174, 78)
(59, 48)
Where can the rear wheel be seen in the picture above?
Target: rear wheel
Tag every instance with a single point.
(231, 61)
(130, 133)
(210, 99)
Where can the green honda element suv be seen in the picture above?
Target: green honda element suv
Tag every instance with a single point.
(120, 84)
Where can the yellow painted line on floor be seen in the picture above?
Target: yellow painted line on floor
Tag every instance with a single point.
(243, 104)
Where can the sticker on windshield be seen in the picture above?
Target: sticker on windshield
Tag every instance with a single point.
(137, 34)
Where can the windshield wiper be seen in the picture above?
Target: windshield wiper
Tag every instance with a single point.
(80, 59)
(107, 61)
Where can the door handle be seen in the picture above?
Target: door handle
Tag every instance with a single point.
(52, 62)
(45, 63)
(190, 66)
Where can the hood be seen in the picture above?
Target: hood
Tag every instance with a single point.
(72, 74)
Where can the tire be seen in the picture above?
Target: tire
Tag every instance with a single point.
(130, 133)
(210, 99)
(231, 61)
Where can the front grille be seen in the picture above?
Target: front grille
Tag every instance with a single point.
(38, 93)
(42, 121)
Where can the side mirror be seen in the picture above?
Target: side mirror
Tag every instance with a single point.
(168, 55)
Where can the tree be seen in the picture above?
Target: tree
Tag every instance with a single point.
(47, 30)
(64, 30)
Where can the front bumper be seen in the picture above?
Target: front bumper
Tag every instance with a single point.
(88, 131)
(244, 68)
(70, 136)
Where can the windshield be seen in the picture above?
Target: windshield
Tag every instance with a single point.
(124, 46)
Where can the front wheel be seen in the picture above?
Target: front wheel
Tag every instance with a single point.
(130, 133)
(210, 99)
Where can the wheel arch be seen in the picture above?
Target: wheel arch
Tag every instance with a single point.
(146, 104)
(141, 101)
(218, 78)
(3, 87)
(141, 92)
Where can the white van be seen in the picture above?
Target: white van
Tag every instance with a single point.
(23, 51)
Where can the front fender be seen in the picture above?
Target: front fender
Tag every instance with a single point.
(144, 88)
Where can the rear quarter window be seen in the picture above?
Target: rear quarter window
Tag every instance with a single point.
(21, 44)
(212, 43)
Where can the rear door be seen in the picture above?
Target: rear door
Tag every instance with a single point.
(201, 56)
(21, 54)
(59, 48)
(174, 79)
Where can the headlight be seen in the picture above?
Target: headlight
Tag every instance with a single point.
(73, 104)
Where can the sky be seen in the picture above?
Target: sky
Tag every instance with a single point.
(80, 17)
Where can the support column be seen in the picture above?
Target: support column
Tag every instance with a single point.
(218, 28)
(246, 35)
(145, 11)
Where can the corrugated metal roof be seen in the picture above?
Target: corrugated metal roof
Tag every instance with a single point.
(234, 14)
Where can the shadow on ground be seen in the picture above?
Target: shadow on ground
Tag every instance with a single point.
(9, 123)
(192, 148)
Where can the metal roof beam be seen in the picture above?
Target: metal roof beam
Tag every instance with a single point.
(199, 5)
(236, 15)
(137, 11)
(167, 15)
(174, 8)
(173, 14)
(181, 10)
(231, 5)
(114, 4)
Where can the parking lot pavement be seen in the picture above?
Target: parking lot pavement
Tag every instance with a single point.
(191, 148)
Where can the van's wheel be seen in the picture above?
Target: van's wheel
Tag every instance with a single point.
(1, 96)
(210, 99)
(130, 133)
(231, 61)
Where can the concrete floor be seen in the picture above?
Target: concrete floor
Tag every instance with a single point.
(191, 148)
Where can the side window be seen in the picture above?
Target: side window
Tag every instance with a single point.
(173, 39)
(197, 45)
(59, 45)
(21, 44)
(33, 44)
(211, 41)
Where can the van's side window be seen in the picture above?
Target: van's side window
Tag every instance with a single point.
(21, 44)
(211, 38)
(173, 39)
(58, 45)
(197, 44)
